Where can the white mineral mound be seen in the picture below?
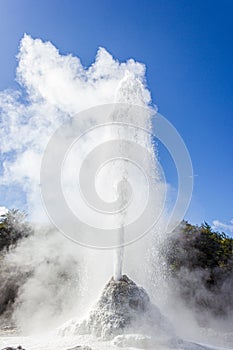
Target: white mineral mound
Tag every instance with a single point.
(123, 308)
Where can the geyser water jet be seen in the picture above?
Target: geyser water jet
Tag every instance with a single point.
(119, 256)
(119, 253)
(131, 165)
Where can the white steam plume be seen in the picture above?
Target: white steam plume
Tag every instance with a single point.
(57, 87)
(3, 211)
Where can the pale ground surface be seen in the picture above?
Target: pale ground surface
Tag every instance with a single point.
(54, 342)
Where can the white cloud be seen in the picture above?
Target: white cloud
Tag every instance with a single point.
(218, 225)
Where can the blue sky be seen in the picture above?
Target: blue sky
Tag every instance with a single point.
(187, 47)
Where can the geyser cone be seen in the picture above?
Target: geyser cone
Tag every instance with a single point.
(122, 308)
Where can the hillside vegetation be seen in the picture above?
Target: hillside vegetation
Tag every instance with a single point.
(200, 265)
(200, 261)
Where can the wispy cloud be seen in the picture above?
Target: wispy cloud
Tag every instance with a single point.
(218, 225)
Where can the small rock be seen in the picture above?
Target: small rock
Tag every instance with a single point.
(12, 348)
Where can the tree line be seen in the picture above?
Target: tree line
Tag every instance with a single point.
(199, 260)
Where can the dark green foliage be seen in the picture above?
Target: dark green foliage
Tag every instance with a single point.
(199, 247)
(13, 227)
(201, 262)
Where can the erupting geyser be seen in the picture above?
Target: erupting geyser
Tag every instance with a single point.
(122, 197)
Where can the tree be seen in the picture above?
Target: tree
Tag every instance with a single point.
(201, 264)
(13, 227)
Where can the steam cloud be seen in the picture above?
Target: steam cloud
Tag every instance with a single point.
(3, 211)
(58, 279)
(54, 88)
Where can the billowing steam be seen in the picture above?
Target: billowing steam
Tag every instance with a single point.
(53, 89)
(59, 279)
(54, 279)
